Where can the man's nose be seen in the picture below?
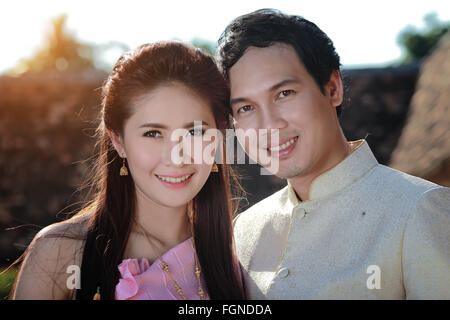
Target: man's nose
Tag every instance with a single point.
(271, 118)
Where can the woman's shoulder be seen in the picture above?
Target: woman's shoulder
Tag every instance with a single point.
(52, 256)
(62, 241)
(75, 228)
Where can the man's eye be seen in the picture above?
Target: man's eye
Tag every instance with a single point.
(285, 93)
(244, 109)
(196, 132)
(152, 134)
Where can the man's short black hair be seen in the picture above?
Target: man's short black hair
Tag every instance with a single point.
(265, 27)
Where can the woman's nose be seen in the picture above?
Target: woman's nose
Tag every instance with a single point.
(173, 154)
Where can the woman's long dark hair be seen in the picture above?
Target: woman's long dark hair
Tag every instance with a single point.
(113, 207)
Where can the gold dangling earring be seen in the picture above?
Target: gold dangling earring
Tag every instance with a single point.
(123, 170)
(215, 168)
(97, 295)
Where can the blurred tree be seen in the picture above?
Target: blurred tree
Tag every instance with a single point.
(61, 51)
(208, 46)
(419, 43)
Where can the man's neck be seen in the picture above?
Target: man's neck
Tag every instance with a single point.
(302, 184)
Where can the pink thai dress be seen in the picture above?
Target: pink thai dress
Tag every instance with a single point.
(142, 281)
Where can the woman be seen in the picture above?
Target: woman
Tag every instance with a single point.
(157, 228)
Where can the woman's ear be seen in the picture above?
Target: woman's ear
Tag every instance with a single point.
(335, 88)
(117, 142)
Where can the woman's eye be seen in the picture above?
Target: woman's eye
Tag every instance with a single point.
(244, 109)
(285, 93)
(152, 134)
(196, 132)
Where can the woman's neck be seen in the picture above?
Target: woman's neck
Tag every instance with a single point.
(165, 226)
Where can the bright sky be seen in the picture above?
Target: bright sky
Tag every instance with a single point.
(364, 32)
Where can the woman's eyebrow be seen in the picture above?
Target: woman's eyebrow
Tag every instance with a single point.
(153, 125)
(163, 126)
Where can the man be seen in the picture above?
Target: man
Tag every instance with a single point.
(345, 227)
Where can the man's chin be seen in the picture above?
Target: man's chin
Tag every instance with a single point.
(287, 173)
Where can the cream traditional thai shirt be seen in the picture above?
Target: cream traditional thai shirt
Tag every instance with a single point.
(367, 232)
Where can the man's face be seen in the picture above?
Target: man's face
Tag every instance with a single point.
(271, 89)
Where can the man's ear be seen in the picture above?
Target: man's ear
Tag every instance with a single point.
(117, 142)
(335, 89)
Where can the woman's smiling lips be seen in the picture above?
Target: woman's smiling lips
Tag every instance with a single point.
(175, 181)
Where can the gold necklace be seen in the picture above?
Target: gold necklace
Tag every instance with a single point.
(165, 267)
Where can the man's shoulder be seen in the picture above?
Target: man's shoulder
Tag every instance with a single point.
(401, 182)
(267, 205)
(405, 195)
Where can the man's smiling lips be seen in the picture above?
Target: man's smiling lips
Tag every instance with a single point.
(283, 149)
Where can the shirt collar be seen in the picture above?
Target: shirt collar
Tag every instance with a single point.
(345, 173)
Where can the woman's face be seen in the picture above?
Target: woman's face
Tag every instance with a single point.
(155, 142)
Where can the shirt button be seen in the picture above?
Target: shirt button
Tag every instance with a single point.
(300, 212)
(283, 273)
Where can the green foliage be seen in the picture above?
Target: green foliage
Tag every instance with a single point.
(206, 45)
(6, 281)
(417, 44)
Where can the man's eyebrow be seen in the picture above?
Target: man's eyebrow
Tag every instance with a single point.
(237, 100)
(282, 83)
(196, 122)
(272, 88)
(162, 126)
